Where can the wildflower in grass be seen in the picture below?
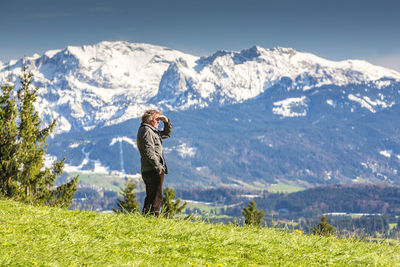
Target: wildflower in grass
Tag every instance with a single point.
(43, 212)
(4, 244)
(83, 246)
(207, 264)
(219, 265)
(171, 228)
(298, 231)
(146, 223)
(294, 240)
(323, 255)
(184, 244)
(115, 251)
(34, 263)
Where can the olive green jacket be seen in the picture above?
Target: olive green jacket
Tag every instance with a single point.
(149, 142)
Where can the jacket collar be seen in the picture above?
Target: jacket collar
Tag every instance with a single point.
(151, 127)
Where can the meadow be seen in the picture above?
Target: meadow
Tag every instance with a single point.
(43, 236)
(105, 181)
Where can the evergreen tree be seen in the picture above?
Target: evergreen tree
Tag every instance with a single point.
(170, 206)
(25, 146)
(128, 203)
(323, 228)
(252, 215)
(62, 195)
(9, 165)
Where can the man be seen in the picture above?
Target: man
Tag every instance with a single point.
(153, 166)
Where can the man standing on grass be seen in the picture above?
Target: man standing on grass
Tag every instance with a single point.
(153, 167)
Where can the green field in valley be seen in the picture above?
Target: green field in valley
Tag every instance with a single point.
(284, 188)
(107, 181)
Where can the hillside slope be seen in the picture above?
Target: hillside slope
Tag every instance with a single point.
(54, 237)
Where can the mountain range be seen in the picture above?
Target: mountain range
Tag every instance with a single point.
(252, 118)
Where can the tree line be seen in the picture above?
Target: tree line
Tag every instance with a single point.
(358, 198)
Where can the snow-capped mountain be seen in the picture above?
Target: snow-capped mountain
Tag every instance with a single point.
(111, 82)
(89, 86)
(238, 76)
(255, 116)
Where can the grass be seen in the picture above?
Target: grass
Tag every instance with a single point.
(284, 188)
(107, 181)
(205, 208)
(55, 237)
(201, 206)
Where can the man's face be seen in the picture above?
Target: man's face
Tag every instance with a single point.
(155, 121)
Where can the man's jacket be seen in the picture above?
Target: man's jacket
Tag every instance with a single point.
(149, 142)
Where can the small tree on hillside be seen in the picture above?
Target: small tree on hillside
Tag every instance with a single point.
(24, 176)
(323, 228)
(128, 203)
(252, 215)
(170, 206)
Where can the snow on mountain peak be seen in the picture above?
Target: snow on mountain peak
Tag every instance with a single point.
(230, 77)
(51, 53)
(110, 82)
(98, 84)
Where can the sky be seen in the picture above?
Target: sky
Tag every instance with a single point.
(332, 29)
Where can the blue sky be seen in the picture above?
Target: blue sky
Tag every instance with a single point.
(333, 29)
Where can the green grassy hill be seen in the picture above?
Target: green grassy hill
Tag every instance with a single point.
(55, 237)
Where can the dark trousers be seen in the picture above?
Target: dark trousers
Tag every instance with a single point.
(153, 201)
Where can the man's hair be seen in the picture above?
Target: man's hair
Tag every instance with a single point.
(148, 115)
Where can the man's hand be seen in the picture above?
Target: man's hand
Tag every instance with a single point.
(162, 118)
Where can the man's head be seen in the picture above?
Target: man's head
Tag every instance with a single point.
(151, 117)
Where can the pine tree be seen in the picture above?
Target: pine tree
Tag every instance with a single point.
(323, 228)
(170, 206)
(25, 146)
(252, 215)
(9, 165)
(62, 195)
(128, 203)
